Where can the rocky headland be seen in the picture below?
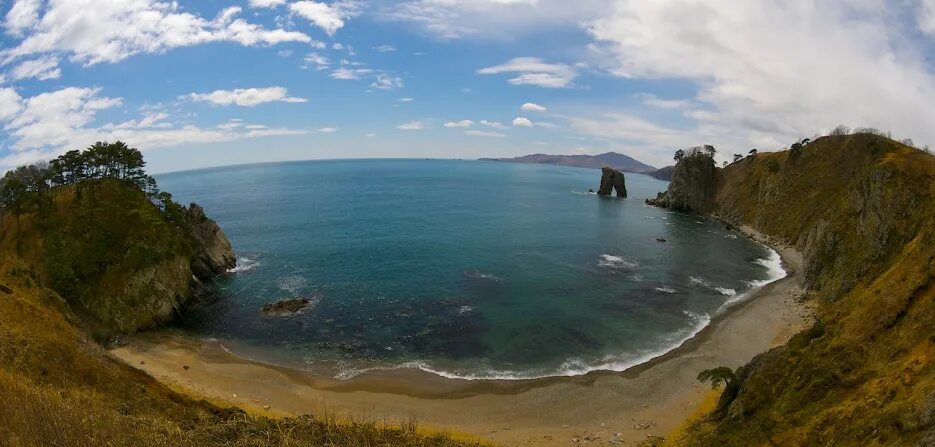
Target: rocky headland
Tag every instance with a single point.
(612, 180)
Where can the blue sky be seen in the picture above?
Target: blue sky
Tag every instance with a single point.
(211, 82)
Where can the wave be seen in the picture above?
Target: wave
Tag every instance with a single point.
(244, 265)
(569, 368)
(476, 274)
(774, 270)
(616, 262)
(668, 290)
(291, 284)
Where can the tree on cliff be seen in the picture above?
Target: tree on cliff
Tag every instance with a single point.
(709, 150)
(679, 155)
(752, 152)
(738, 157)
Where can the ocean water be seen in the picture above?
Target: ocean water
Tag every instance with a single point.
(467, 269)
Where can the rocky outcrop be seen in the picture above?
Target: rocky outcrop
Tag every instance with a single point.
(612, 180)
(693, 187)
(286, 307)
(213, 252)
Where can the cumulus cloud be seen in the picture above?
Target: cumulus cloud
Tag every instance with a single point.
(316, 60)
(493, 124)
(767, 73)
(459, 124)
(412, 125)
(387, 82)
(266, 3)
(93, 31)
(350, 74)
(43, 68)
(532, 107)
(245, 97)
(329, 17)
(926, 16)
(23, 15)
(522, 122)
(327, 130)
(534, 71)
(45, 125)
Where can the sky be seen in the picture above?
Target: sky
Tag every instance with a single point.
(199, 83)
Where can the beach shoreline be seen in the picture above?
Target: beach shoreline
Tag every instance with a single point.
(652, 398)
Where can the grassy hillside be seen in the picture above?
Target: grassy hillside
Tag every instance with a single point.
(110, 252)
(861, 208)
(59, 388)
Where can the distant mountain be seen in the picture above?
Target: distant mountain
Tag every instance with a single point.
(617, 161)
(662, 173)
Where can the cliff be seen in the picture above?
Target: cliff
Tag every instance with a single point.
(861, 209)
(693, 185)
(612, 180)
(119, 260)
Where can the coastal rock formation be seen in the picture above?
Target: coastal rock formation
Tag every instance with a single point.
(861, 209)
(116, 257)
(213, 252)
(693, 186)
(612, 180)
(286, 307)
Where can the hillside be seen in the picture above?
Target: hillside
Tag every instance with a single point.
(861, 209)
(86, 254)
(614, 160)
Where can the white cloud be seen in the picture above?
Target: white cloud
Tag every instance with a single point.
(370, 135)
(481, 133)
(534, 71)
(654, 101)
(43, 68)
(94, 31)
(23, 15)
(327, 130)
(412, 125)
(493, 124)
(461, 124)
(768, 73)
(245, 97)
(350, 74)
(45, 125)
(10, 103)
(532, 107)
(329, 17)
(522, 122)
(385, 48)
(266, 3)
(318, 61)
(387, 82)
(926, 16)
(406, 99)
(492, 19)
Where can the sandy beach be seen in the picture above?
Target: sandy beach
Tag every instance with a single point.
(652, 399)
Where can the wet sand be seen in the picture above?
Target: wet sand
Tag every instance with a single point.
(654, 398)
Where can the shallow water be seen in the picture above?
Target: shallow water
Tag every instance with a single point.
(465, 268)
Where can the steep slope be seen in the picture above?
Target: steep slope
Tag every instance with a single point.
(861, 209)
(693, 186)
(123, 264)
(617, 161)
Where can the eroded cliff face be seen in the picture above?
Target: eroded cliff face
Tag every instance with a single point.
(861, 209)
(612, 180)
(119, 261)
(693, 186)
(213, 252)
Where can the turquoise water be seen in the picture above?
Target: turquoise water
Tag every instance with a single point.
(464, 268)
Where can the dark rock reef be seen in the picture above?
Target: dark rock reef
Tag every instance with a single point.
(612, 180)
(286, 307)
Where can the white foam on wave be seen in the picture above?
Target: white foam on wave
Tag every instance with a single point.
(244, 265)
(568, 368)
(616, 262)
(291, 284)
(774, 270)
(668, 290)
(701, 282)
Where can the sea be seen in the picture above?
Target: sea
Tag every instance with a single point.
(465, 269)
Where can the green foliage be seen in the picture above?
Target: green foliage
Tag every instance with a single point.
(717, 376)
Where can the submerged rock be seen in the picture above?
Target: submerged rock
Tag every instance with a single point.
(286, 307)
(612, 179)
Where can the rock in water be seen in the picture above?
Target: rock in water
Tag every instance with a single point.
(286, 307)
(612, 179)
(213, 252)
(693, 187)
